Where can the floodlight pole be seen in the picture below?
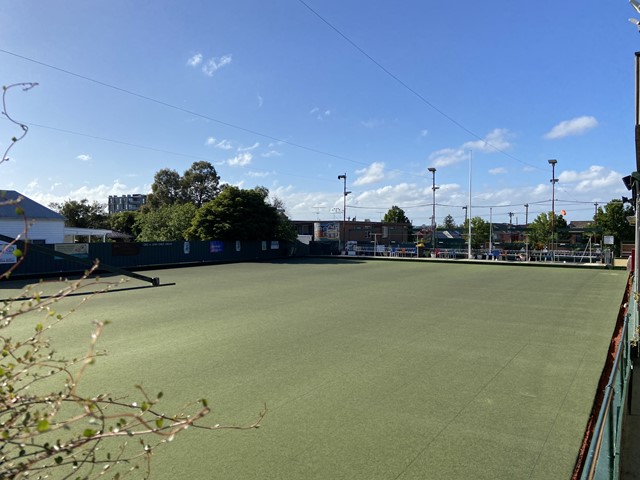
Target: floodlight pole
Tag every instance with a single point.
(554, 180)
(433, 214)
(470, 217)
(342, 242)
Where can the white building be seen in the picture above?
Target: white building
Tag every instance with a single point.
(43, 224)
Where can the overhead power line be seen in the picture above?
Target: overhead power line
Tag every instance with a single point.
(181, 109)
(412, 90)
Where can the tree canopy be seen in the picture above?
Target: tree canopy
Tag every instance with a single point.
(540, 230)
(479, 231)
(236, 214)
(612, 220)
(396, 215)
(167, 223)
(449, 223)
(82, 214)
(199, 185)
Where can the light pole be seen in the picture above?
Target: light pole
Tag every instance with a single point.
(344, 210)
(433, 215)
(554, 180)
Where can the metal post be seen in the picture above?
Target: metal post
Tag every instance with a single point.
(433, 214)
(554, 180)
(342, 244)
(470, 217)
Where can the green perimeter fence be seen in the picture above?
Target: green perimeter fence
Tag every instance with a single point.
(600, 456)
(63, 259)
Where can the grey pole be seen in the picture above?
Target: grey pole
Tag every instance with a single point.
(433, 214)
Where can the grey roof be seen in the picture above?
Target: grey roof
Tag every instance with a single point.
(32, 209)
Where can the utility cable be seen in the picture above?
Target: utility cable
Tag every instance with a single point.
(412, 90)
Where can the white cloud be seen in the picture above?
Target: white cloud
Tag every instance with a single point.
(575, 126)
(424, 132)
(84, 158)
(195, 60)
(258, 174)
(372, 174)
(498, 171)
(215, 64)
(247, 149)
(495, 140)
(224, 145)
(240, 160)
(210, 141)
(492, 142)
(97, 193)
(260, 101)
(270, 153)
(594, 178)
(320, 115)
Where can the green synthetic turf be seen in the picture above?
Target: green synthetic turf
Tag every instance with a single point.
(369, 369)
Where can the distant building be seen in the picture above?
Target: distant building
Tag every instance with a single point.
(126, 203)
(45, 225)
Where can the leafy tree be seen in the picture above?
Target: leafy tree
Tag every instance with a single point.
(82, 214)
(612, 220)
(200, 183)
(540, 230)
(167, 223)
(236, 214)
(166, 188)
(396, 215)
(449, 223)
(125, 222)
(479, 231)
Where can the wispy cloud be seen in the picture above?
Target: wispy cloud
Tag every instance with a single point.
(270, 153)
(224, 144)
(215, 64)
(84, 157)
(372, 123)
(248, 149)
(498, 171)
(573, 127)
(211, 66)
(372, 174)
(320, 114)
(492, 142)
(195, 60)
(424, 132)
(260, 101)
(240, 160)
(258, 174)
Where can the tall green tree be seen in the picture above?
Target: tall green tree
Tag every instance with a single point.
(396, 215)
(166, 189)
(125, 222)
(479, 231)
(449, 223)
(167, 223)
(540, 230)
(236, 214)
(82, 214)
(200, 183)
(612, 220)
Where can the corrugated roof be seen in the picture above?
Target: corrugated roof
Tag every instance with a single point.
(32, 209)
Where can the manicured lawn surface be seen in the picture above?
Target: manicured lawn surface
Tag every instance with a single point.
(369, 369)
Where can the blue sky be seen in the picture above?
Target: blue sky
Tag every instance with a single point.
(289, 94)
